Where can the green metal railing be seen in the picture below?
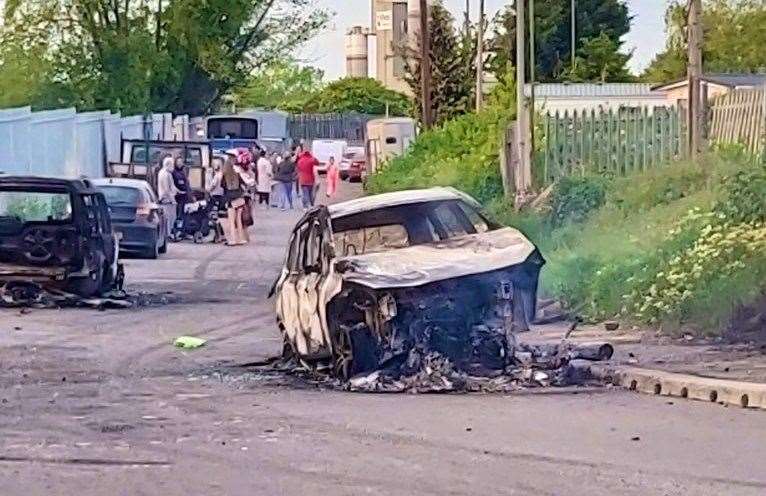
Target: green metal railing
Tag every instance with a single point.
(613, 142)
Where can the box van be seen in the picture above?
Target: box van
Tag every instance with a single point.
(324, 149)
(388, 138)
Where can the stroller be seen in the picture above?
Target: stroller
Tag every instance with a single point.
(197, 220)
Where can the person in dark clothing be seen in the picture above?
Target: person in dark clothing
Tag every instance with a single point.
(285, 177)
(181, 182)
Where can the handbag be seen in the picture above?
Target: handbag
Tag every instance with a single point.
(247, 214)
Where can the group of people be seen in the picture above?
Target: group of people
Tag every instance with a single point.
(294, 175)
(239, 178)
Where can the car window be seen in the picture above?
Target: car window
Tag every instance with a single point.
(193, 156)
(35, 206)
(473, 215)
(371, 239)
(121, 195)
(313, 247)
(296, 245)
(452, 220)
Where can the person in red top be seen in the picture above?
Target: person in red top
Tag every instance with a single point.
(307, 177)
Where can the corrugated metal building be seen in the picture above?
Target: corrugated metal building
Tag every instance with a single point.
(561, 97)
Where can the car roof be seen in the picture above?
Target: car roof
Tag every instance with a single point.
(77, 185)
(122, 182)
(397, 198)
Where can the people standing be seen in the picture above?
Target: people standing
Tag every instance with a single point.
(265, 176)
(235, 202)
(167, 192)
(332, 178)
(285, 177)
(276, 189)
(214, 187)
(297, 150)
(181, 181)
(308, 177)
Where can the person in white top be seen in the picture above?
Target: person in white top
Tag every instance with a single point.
(265, 175)
(167, 191)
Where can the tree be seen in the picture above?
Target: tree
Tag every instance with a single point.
(363, 95)
(181, 55)
(599, 59)
(283, 85)
(596, 22)
(453, 69)
(734, 39)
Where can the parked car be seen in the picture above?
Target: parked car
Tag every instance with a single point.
(324, 149)
(353, 165)
(368, 280)
(136, 214)
(57, 232)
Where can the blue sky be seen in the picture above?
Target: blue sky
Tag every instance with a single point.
(647, 36)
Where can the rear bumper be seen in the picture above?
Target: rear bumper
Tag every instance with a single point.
(13, 272)
(137, 236)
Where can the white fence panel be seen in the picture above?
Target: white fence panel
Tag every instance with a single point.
(90, 146)
(51, 145)
(14, 140)
(113, 137)
(133, 127)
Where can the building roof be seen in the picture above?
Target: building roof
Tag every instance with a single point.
(729, 80)
(396, 198)
(598, 90)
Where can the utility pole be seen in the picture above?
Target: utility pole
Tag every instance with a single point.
(425, 64)
(467, 21)
(695, 103)
(522, 106)
(532, 77)
(480, 59)
(574, 34)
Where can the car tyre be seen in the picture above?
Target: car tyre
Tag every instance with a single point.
(152, 251)
(164, 247)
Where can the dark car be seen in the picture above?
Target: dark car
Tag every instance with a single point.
(136, 214)
(57, 232)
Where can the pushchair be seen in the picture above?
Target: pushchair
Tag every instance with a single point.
(197, 219)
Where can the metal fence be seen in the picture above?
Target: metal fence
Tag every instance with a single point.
(349, 127)
(66, 143)
(739, 117)
(585, 142)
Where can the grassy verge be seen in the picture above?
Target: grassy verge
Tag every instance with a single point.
(679, 247)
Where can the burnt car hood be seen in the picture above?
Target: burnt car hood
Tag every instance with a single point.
(422, 264)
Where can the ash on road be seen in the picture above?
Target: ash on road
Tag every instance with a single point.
(95, 403)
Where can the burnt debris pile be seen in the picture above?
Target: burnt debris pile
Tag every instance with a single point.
(24, 295)
(428, 371)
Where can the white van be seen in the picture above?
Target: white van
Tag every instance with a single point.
(324, 149)
(388, 138)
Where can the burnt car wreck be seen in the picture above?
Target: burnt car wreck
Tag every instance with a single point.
(411, 285)
(56, 234)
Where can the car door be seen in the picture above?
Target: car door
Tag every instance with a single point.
(288, 311)
(308, 287)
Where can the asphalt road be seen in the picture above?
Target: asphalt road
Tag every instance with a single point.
(101, 403)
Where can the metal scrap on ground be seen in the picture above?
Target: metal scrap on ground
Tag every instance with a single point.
(20, 294)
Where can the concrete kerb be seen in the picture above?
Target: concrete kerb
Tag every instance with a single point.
(657, 382)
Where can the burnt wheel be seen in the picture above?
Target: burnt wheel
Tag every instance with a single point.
(343, 356)
(39, 245)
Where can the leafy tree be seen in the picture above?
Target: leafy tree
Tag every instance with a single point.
(282, 85)
(452, 59)
(177, 55)
(734, 39)
(596, 21)
(363, 95)
(600, 58)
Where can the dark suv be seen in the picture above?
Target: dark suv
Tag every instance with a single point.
(57, 232)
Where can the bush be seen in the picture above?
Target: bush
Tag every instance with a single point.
(463, 153)
(574, 198)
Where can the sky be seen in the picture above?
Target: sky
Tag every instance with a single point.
(646, 38)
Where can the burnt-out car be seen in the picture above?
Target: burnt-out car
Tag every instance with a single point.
(57, 232)
(367, 281)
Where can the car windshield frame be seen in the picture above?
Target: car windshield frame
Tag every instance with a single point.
(420, 221)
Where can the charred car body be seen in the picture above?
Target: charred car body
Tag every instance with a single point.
(368, 281)
(57, 232)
